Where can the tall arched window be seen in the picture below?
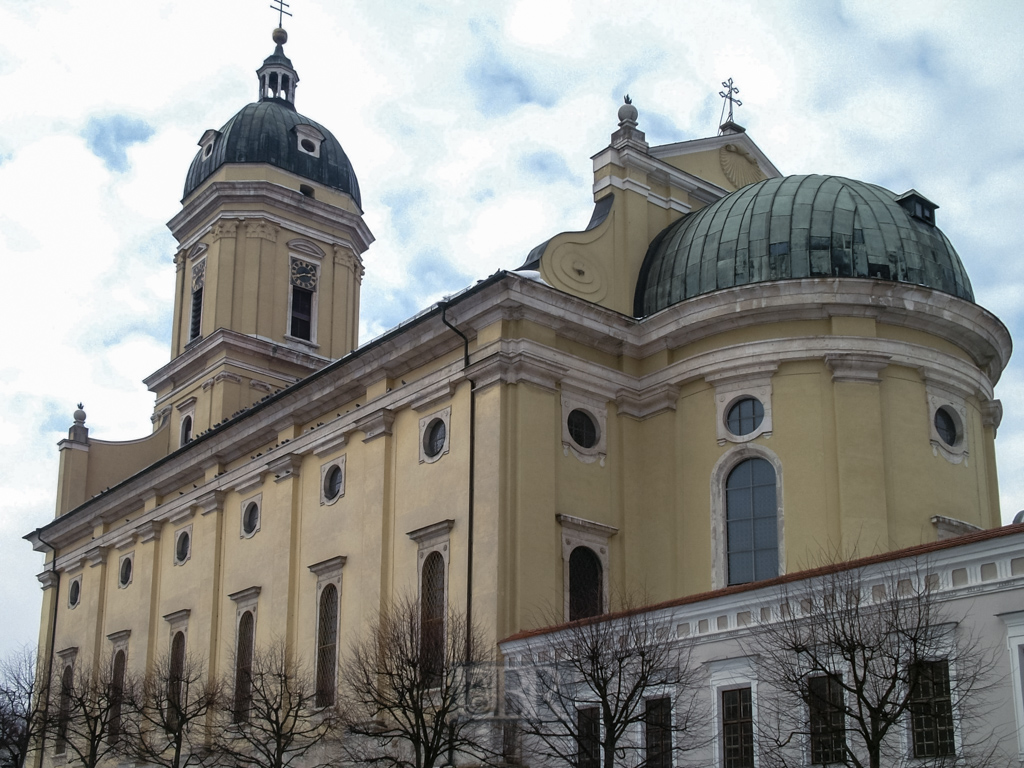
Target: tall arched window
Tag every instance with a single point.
(586, 595)
(116, 698)
(327, 646)
(175, 679)
(432, 617)
(752, 529)
(243, 668)
(67, 682)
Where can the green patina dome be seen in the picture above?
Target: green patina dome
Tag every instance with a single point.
(797, 227)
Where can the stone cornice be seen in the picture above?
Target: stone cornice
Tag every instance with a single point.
(202, 211)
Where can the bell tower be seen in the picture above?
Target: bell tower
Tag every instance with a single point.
(269, 265)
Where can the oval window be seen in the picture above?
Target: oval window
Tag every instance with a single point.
(75, 593)
(126, 572)
(745, 416)
(332, 483)
(308, 145)
(251, 518)
(181, 550)
(433, 441)
(945, 425)
(582, 428)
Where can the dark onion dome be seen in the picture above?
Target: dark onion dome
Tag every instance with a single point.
(796, 227)
(265, 132)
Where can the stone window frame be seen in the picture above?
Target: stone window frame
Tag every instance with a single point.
(258, 501)
(197, 277)
(1014, 623)
(183, 531)
(444, 415)
(310, 134)
(730, 675)
(325, 470)
(186, 410)
(72, 580)
(576, 532)
(246, 600)
(435, 537)
(953, 402)
(128, 557)
(317, 262)
(719, 475)
(328, 573)
(729, 390)
(68, 658)
(598, 412)
(177, 622)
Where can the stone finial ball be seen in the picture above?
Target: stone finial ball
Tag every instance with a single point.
(79, 414)
(627, 112)
(280, 36)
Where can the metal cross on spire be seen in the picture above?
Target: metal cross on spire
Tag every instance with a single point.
(728, 95)
(279, 6)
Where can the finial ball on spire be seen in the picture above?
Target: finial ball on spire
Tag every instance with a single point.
(627, 112)
(280, 36)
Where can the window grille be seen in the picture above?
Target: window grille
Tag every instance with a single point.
(243, 668)
(432, 609)
(586, 596)
(931, 709)
(751, 510)
(175, 680)
(827, 721)
(737, 729)
(116, 698)
(327, 646)
(195, 325)
(67, 682)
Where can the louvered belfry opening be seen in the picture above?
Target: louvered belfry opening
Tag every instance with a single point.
(327, 646)
(586, 594)
(432, 618)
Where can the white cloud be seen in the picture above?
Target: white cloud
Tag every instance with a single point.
(902, 95)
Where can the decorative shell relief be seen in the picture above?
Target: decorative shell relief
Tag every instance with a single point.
(198, 275)
(578, 273)
(738, 166)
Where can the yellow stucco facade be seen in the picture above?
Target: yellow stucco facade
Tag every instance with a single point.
(850, 374)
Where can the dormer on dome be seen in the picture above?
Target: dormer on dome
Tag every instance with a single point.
(277, 76)
(918, 206)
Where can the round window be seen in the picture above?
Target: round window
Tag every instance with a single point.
(433, 440)
(251, 518)
(332, 483)
(75, 593)
(207, 150)
(945, 425)
(181, 550)
(745, 416)
(126, 572)
(308, 145)
(582, 428)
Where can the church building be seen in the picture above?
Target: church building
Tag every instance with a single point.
(729, 375)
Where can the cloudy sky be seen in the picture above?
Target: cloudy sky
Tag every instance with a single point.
(470, 126)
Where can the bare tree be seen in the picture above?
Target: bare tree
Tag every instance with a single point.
(167, 711)
(22, 707)
(85, 713)
(272, 720)
(608, 692)
(869, 669)
(411, 691)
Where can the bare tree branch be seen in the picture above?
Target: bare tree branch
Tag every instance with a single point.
(279, 724)
(409, 702)
(865, 670)
(85, 713)
(22, 707)
(595, 694)
(167, 711)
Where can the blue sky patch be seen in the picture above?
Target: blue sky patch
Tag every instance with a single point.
(500, 88)
(548, 165)
(109, 138)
